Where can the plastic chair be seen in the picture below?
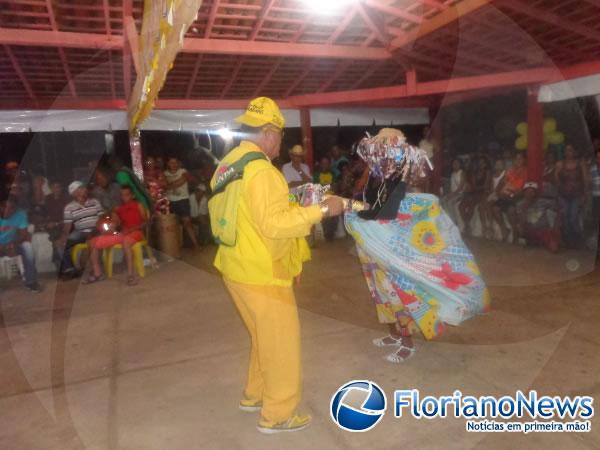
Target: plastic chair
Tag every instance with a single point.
(137, 251)
(76, 252)
(10, 266)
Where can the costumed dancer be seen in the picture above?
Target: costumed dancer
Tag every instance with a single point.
(420, 274)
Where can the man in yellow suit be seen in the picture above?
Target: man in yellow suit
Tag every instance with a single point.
(260, 263)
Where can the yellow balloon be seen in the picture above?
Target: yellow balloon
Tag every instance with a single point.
(549, 126)
(522, 128)
(521, 143)
(556, 138)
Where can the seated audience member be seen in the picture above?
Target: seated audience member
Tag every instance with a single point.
(179, 196)
(509, 193)
(571, 181)
(426, 143)
(485, 207)
(296, 172)
(509, 157)
(458, 184)
(156, 185)
(595, 192)
(16, 240)
(345, 185)
(324, 175)
(538, 219)
(37, 203)
(549, 181)
(80, 217)
(105, 190)
(206, 172)
(124, 176)
(11, 169)
(130, 218)
(18, 184)
(199, 213)
(595, 188)
(53, 224)
(478, 188)
(361, 174)
(337, 157)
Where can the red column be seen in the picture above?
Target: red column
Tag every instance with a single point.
(535, 149)
(307, 136)
(435, 135)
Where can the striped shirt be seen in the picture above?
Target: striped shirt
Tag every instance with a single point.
(83, 217)
(595, 180)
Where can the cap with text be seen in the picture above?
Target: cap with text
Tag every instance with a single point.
(260, 112)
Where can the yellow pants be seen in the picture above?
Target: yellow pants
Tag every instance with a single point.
(274, 374)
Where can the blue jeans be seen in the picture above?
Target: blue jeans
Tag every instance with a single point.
(570, 208)
(26, 251)
(76, 237)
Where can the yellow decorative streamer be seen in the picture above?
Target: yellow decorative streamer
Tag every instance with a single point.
(163, 24)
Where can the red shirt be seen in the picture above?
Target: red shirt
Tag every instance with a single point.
(516, 178)
(130, 214)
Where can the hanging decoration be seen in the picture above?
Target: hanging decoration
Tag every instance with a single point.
(551, 134)
(136, 153)
(388, 154)
(164, 25)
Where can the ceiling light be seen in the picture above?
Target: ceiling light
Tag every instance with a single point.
(326, 7)
(225, 133)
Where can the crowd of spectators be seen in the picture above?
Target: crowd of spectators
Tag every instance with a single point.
(559, 212)
(494, 191)
(336, 168)
(114, 208)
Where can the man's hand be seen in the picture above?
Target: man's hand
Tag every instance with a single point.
(335, 205)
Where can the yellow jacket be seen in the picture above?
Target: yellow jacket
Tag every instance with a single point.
(268, 248)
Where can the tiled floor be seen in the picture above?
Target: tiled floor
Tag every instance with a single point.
(161, 365)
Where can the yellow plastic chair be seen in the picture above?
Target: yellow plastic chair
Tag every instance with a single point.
(137, 251)
(76, 251)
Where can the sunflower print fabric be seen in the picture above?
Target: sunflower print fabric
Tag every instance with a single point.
(417, 266)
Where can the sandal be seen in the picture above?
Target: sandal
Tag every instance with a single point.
(132, 280)
(395, 357)
(381, 342)
(93, 279)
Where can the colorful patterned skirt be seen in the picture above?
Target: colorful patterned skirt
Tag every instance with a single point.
(418, 268)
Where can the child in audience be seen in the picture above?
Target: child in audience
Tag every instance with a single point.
(130, 217)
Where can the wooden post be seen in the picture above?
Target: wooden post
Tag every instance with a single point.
(535, 149)
(135, 147)
(307, 136)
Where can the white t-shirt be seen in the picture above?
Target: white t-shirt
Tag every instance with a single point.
(495, 182)
(291, 175)
(198, 208)
(455, 180)
(179, 193)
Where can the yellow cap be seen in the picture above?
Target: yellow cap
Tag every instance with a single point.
(260, 112)
(297, 150)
